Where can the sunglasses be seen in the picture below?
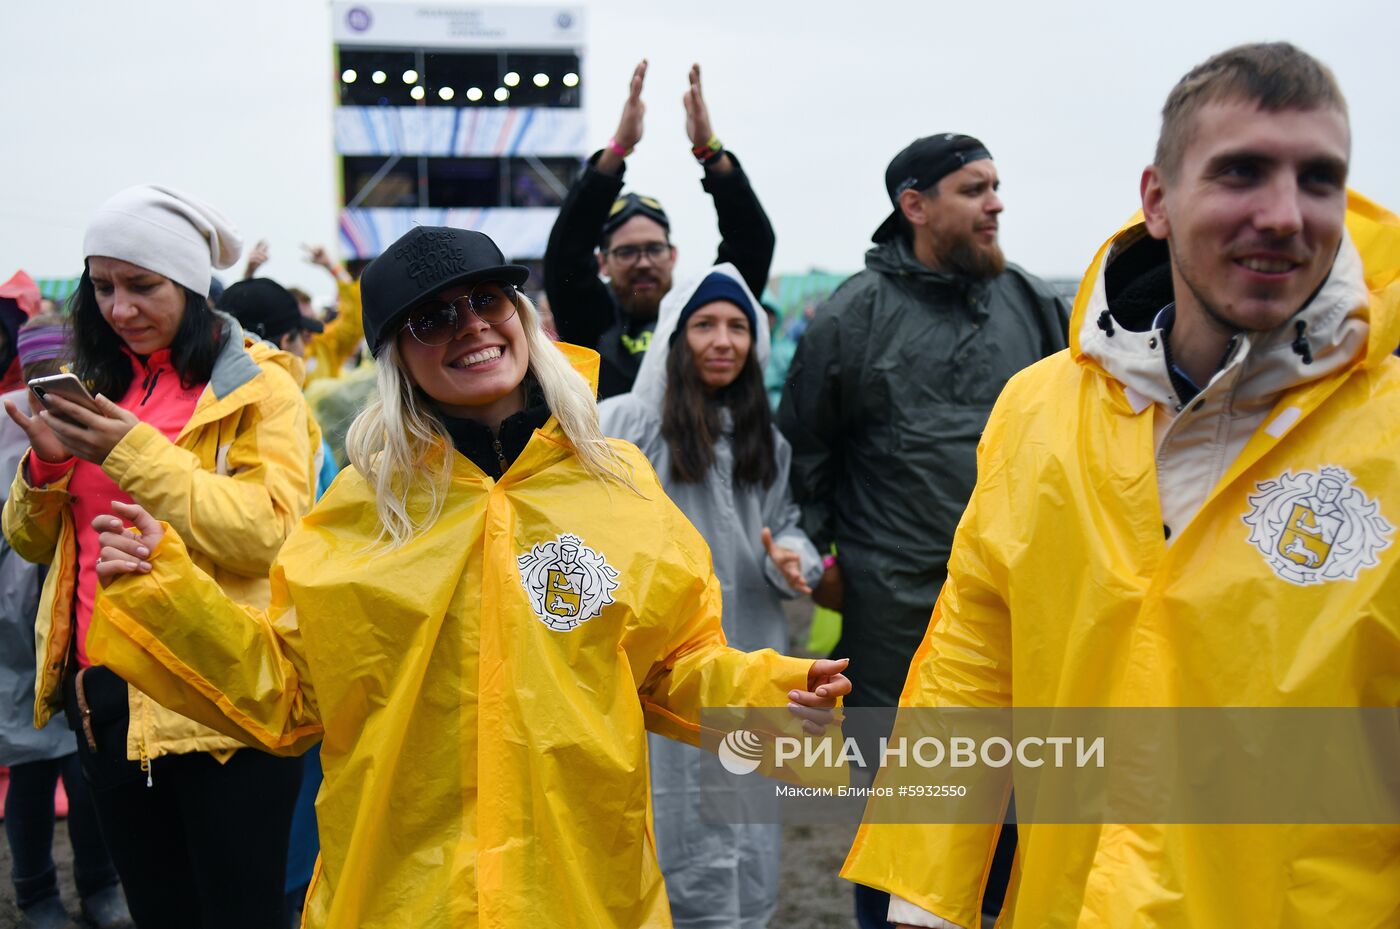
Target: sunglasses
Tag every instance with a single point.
(437, 322)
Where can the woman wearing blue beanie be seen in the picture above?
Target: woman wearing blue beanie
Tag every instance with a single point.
(699, 412)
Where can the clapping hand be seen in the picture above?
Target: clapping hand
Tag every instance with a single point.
(629, 127)
(697, 114)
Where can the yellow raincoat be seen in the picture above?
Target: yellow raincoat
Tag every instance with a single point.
(483, 726)
(327, 352)
(1062, 591)
(236, 481)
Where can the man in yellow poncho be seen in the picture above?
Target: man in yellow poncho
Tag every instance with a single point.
(1119, 549)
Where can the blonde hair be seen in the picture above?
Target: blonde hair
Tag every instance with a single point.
(400, 446)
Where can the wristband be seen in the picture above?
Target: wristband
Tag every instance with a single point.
(828, 562)
(616, 149)
(709, 151)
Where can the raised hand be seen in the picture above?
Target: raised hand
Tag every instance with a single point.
(788, 561)
(256, 259)
(120, 550)
(629, 127)
(825, 683)
(317, 255)
(697, 114)
(41, 438)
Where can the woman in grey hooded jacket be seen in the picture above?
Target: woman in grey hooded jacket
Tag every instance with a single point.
(699, 413)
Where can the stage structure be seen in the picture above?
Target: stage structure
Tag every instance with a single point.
(450, 115)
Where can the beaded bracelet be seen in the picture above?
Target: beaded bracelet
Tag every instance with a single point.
(617, 149)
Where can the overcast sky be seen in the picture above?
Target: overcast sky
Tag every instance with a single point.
(232, 101)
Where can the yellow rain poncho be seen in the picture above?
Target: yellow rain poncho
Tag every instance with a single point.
(482, 721)
(1063, 592)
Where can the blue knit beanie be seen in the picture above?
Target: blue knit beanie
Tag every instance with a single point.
(717, 286)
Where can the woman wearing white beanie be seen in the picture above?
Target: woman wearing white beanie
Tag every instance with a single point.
(207, 429)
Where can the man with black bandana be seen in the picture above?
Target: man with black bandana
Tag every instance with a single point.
(886, 399)
(632, 238)
(890, 388)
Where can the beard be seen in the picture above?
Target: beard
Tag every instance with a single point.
(961, 254)
(640, 306)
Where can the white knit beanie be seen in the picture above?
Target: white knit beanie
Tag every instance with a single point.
(164, 231)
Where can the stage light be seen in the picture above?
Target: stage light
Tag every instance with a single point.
(541, 80)
(502, 95)
(379, 77)
(348, 75)
(474, 94)
(571, 79)
(511, 79)
(446, 93)
(410, 76)
(417, 92)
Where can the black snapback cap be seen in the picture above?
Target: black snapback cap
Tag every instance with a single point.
(923, 163)
(266, 308)
(421, 263)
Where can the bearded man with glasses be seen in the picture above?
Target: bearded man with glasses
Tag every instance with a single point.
(627, 240)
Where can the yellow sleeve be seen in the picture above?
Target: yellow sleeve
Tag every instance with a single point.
(33, 516)
(330, 350)
(964, 661)
(240, 518)
(177, 637)
(678, 651)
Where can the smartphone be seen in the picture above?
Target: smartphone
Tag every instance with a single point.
(67, 386)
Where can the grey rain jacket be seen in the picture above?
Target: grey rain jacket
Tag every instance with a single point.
(718, 875)
(20, 583)
(884, 405)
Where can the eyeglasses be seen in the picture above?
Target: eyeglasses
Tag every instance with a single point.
(631, 254)
(437, 323)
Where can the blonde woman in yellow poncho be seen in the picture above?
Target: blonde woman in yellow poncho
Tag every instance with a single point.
(480, 632)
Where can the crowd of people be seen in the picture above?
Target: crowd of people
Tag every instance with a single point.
(444, 662)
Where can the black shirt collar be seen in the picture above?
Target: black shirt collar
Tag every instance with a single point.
(491, 453)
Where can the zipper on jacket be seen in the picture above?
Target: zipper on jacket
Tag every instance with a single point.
(141, 752)
(149, 385)
(145, 762)
(500, 454)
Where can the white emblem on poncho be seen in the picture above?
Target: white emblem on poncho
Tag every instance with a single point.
(1313, 527)
(568, 582)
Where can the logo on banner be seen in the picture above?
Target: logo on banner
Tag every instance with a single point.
(358, 19)
(568, 582)
(1316, 526)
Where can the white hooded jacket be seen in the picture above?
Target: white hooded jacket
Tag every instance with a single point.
(717, 874)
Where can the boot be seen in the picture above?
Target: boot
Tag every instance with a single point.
(106, 909)
(48, 913)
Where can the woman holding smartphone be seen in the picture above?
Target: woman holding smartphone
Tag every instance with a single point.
(479, 621)
(209, 431)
